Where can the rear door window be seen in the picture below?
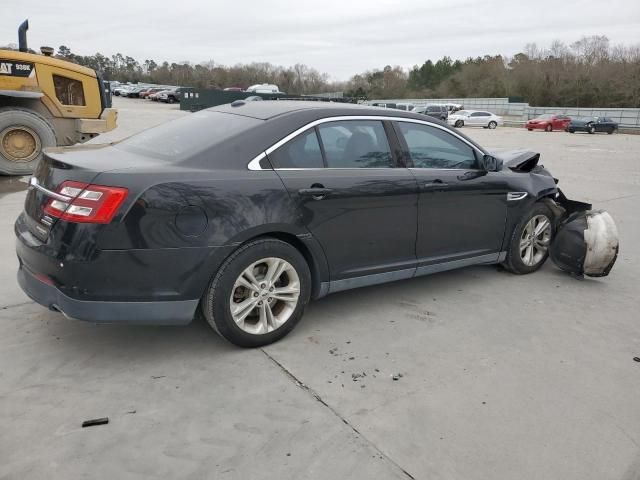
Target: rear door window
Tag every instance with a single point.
(355, 144)
(301, 152)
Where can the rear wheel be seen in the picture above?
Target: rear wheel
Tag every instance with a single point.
(610, 131)
(530, 129)
(23, 135)
(259, 293)
(592, 129)
(529, 244)
(548, 128)
(492, 125)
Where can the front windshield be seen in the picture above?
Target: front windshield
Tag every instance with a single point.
(546, 116)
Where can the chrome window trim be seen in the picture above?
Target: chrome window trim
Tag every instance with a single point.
(255, 163)
(33, 183)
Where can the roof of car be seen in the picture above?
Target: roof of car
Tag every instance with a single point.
(269, 109)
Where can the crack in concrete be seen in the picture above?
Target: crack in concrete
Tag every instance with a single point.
(7, 307)
(319, 399)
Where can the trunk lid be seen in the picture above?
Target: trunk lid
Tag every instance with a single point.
(81, 164)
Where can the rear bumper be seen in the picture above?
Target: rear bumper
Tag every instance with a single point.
(178, 312)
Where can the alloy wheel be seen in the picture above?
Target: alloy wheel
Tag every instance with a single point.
(265, 295)
(535, 240)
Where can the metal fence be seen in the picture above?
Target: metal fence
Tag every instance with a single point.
(521, 112)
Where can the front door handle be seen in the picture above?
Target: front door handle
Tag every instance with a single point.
(318, 193)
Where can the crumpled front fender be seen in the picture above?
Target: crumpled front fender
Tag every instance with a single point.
(586, 241)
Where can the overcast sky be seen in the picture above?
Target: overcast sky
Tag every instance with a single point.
(339, 37)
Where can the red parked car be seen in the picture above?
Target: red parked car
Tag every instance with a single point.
(549, 123)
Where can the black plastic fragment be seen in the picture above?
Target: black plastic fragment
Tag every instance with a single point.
(95, 421)
(636, 359)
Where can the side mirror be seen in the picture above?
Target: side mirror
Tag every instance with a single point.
(491, 164)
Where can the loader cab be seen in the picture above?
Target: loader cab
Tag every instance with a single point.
(45, 102)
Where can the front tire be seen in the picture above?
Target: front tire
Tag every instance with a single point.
(548, 128)
(592, 129)
(610, 131)
(458, 124)
(492, 125)
(530, 240)
(23, 136)
(259, 293)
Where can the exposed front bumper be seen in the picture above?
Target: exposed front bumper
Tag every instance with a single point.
(178, 312)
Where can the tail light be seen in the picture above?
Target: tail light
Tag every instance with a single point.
(87, 203)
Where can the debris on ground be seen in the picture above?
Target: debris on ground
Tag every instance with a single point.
(636, 359)
(356, 376)
(95, 421)
(396, 376)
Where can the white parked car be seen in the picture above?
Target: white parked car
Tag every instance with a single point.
(263, 88)
(474, 118)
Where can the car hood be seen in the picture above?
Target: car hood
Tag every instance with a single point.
(517, 160)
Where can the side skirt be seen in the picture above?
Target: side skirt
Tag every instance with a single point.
(378, 278)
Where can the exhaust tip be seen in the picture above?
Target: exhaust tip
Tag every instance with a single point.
(22, 36)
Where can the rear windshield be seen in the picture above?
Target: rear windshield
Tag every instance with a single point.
(187, 136)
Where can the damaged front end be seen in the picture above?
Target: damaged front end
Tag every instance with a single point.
(585, 241)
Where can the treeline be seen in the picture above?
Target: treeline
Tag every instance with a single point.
(586, 73)
(297, 79)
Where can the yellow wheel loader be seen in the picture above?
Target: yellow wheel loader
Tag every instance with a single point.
(46, 102)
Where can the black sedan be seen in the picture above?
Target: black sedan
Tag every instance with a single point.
(245, 212)
(592, 125)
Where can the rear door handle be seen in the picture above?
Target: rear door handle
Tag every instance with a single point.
(435, 184)
(315, 192)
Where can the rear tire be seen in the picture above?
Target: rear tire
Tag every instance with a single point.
(518, 261)
(610, 131)
(23, 136)
(492, 125)
(246, 327)
(530, 129)
(548, 128)
(592, 129)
